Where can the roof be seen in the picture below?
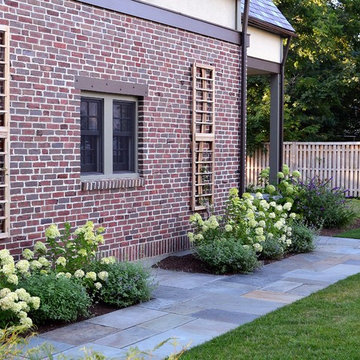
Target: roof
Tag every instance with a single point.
(265, 10)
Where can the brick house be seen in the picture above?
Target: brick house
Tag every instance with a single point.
(127, 113)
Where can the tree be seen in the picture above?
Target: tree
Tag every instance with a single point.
(322, 86)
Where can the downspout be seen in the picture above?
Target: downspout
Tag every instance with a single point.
(243, 95)
(282, 100)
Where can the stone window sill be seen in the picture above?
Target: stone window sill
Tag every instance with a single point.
(107, 184)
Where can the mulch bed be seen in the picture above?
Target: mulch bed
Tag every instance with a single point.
(190, 263)
(95, 310)
(333, 232)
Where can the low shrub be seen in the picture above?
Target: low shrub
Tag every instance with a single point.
(227, 255)
(61, 298)
(303, 238)
(272, 249)
(322, 205)
(126, 284)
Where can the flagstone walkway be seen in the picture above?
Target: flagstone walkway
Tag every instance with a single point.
(194, 308)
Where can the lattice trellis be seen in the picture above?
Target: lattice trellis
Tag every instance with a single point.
(4, 131)
(203, 136)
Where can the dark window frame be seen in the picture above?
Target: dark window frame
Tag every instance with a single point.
(98, 167)
(129, 135)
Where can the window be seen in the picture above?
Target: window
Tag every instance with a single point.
(108, 136)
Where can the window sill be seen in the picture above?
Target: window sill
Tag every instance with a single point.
(128, 182)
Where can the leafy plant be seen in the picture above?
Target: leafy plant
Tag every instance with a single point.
(127, 283)
(303, 238)
(272, 249)
(69, 251)
(226, 255)
(61, 298)
(322, 205)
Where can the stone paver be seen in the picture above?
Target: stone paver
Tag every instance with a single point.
(194, 308)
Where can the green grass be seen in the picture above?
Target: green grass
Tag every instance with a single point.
(353, 233)
(324, 325)
(355, 205)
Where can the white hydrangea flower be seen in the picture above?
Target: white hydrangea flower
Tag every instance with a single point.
(257, 247)
(228, 228)
(259, 231)
(98, 285)
(4, 292)
(272, 215)
(270, 235)
(35, 265)
(279, 208)
(35, 301)
(4, 253)
(13, 279)
(79, 274)
(44, 261)
(288, 206)
(23, 266)
(23, 294)
(68, 275)
(262, 223)
(292, 215)
(103, 275)
(28, 254)
(91, 275)
(259, 195)
(273, 204)
(108, 260)
(61, 261)
(52, 232)
(40, 247)
(26, 321)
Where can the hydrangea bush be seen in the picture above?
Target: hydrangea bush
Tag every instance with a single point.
(63, 261)
(251, 220)
(15, 303)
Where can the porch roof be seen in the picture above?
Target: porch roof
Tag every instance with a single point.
(266, 11)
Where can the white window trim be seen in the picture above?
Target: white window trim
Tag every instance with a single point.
(108, 173)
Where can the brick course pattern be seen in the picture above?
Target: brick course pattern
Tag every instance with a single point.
(54, 41)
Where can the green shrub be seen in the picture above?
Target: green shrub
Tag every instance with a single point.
(272, 249)
(322, 205)
(127, 283)
(227, 255)
(303, 238)
(61, 299)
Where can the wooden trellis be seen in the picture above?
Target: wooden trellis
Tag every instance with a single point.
(203, 136)
(4, 131)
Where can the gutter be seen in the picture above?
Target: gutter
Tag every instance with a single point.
(243, 99)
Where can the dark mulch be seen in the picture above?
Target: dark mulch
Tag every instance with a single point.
(95, 310)
(187, 263)
(190, 263)
(333, 232)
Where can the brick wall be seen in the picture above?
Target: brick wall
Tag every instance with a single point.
(53, 41)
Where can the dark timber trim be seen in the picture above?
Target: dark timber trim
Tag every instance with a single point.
(260, 24)
(264, 65)
(243, 94)
(168, 17)
(110, 86)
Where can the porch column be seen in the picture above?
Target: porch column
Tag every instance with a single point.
(275, 127)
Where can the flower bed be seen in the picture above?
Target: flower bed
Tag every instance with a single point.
(60, 280)
(252, 229)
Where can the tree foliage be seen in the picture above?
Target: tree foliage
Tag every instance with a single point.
(322, 87)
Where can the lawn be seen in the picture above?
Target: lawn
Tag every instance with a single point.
(324, 325)
(353, 233)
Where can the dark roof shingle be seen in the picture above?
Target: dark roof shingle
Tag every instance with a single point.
(266, 10)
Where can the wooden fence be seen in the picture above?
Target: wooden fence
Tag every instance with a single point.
(339, 162)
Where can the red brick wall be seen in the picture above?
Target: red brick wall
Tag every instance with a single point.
(53, 41)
